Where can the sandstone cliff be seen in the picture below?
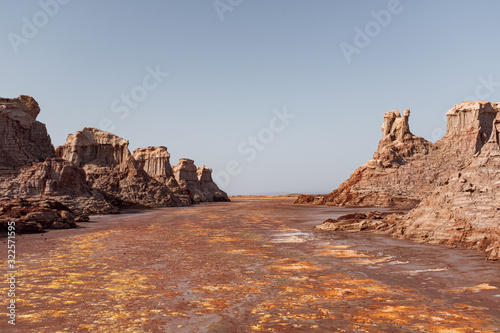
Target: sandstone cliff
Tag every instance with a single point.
(59, 180)
(155, 161)
(456, 181)
(23, 140)
(29, 168)
(198, 181)
(142, 179)
(94, 173)
(114, 172)
(405, 169)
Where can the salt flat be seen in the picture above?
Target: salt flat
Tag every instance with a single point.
(246, 266)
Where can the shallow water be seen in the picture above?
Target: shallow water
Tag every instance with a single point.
(247, 266)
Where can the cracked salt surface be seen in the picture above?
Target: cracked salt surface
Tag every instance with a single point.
(291, 237)
(426, 271)
(203, 270)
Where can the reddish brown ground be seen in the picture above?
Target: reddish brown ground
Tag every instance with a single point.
(246, 266)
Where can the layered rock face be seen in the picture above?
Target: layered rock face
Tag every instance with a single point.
(142, 179)
(466, 210)
(92, 173)
(111, 169)
(155, 161)
(29, 170)
(23, 140)
(385, 180)
(406, 168)
(456, 181)
(469, 127)
(94, 147)
(60, 180)
(198, 181)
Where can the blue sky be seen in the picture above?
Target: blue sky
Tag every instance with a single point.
(228, 78)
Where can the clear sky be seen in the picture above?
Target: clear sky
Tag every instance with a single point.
(335, 67)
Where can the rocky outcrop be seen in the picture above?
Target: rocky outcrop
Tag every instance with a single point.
(155, 161)
(469, 127)
(210, 191)
(142, 179)
(456, 181)
(398, 145)
(114, 172)
(35, 214)
(23, 139)
(385, 181)
(92, 173)
(309, 199)
(29, 167)
(94, 147)
(198, 181)
(466, 210)
(60, 180)
(370, 221)
(405, 169)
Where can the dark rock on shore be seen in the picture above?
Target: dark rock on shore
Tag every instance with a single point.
(36, 214)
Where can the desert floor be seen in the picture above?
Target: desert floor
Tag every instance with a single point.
(250, 265)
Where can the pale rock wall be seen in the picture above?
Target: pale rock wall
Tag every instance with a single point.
(198, 181)
(96, 147)
(455, 182)
(406, 168)
(23, 140)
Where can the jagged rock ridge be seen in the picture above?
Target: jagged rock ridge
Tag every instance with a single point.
(113, 171)
(405, 169)
(198, 181)
(29, 167)
(142, 179)
(455, 181)
(93, 173)
(155, 161)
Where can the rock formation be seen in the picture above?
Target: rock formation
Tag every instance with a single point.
(142, 179)
(59, 180)
(209, 190)
(198, 181)
(94, 147)
(469, 127)
(35, 214)
(28, 167)
(466, 210)
(94, 173)
(383, 181)
(114, 172)
(405, 169)
(155, 161)
(23, 140)
(455, 181)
